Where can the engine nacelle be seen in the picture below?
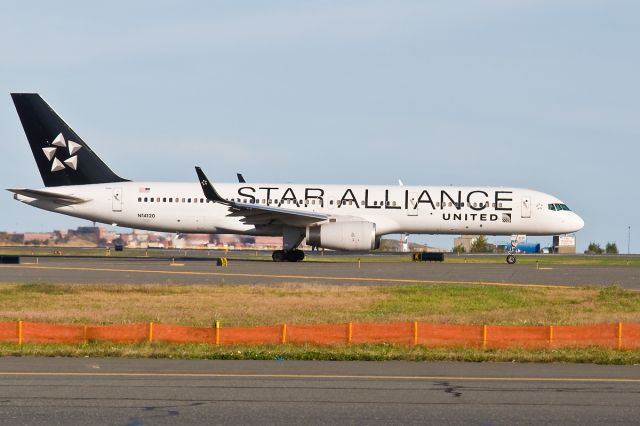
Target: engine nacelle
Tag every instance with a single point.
(343, 236)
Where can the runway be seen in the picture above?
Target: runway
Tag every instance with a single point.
(136, 392)
(242, 272)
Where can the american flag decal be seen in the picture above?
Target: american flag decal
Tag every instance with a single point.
(506, 217)
(143, 190)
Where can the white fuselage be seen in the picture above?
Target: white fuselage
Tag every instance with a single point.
(182, 207)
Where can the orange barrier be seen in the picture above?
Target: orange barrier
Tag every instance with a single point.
(129, 333)
(449, 335)
(181, 334)
(33, 332)
(251, 335)
(321, 334)
(619, 336)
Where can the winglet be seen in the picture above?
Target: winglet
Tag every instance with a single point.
(208, 189)
(241, 178)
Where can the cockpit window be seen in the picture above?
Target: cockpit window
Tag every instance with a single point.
(559, 207)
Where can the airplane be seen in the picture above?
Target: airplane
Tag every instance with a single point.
(340, 217)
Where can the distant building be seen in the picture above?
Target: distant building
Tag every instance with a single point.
(39, 237)
(465, 241)
(564, 244)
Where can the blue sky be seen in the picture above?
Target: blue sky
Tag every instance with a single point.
(537, 94)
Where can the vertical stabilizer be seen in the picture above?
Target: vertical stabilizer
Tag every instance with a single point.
(63, 158)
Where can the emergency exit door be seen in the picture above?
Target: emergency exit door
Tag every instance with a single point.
(525, 206)
(116, 199)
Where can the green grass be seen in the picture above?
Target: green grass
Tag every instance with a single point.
(378, 352)
(298, 304)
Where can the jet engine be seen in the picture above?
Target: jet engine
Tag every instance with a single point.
(343, 236)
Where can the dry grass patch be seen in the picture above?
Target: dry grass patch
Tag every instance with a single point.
(202, 305)
(199, 305)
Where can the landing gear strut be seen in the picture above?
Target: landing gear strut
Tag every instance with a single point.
(288, 255)
(511, 257)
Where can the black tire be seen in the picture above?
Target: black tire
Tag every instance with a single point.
(511, 259)
(293, 256)
(278, 256)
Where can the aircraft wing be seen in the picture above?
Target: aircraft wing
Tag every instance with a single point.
(259, 214)
(62, 199)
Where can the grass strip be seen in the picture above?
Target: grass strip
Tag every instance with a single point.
(371, 352)
(202, 305)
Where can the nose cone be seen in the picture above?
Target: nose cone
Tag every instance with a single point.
(577, 222)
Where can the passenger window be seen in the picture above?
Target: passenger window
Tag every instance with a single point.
(331, 202)
(139, 199)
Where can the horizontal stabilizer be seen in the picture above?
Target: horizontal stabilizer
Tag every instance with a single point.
(63, 199)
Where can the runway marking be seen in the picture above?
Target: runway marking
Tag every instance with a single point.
(298, 277)
(323, 376)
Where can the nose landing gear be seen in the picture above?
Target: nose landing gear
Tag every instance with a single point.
(511, 257)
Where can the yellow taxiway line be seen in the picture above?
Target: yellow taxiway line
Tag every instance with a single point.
(321, 376)
(296, 277)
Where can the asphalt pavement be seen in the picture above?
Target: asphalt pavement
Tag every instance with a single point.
(147, 391)
(153, 270)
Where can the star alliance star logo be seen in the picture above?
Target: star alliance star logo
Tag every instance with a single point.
(59, 142)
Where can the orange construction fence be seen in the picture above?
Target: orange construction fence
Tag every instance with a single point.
(619, 336)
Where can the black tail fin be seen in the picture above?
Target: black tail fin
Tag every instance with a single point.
(61, 155)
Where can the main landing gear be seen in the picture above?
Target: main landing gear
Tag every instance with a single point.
(511, 259)
(294, 255)
(291, 238)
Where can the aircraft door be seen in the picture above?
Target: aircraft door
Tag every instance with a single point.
(116, 199)
(412, 209)
(525, 206)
